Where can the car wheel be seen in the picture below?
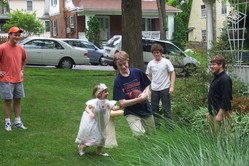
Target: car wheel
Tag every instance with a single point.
(102, 62)
(188, 69)
(66, 63)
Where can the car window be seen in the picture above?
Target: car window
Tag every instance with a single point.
(34, 44)
(113, 42)
(50, 44)
(57, 45)
(88, 45)
(74, 43)
(172, 50)
(77, 44)
(148, 43)
(42, 44)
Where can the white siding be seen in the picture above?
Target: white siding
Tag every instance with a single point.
(38, 6)
(198, 23)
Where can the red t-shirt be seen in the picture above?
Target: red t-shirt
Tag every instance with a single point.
(11, 60)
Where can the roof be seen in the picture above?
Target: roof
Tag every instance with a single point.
(115, 5)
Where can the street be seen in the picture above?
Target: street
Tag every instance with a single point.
(81, 67)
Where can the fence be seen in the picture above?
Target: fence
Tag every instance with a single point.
(242, 72)
(3, 39)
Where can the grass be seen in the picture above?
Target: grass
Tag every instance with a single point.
(52, 108)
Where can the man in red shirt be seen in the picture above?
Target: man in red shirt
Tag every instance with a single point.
(12, 64)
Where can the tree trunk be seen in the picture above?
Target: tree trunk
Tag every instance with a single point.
(132, 32)
(162, 19)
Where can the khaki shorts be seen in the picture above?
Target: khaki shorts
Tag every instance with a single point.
(140, 126)
(8, 91)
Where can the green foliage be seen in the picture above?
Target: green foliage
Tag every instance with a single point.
(191, 92)
(52, 109)
(181, 22)
(93, 33)
(4, 4)
(199, 121)
(186, 148)
(180, 33)
(26, 21)
(241, 125)
(202, 57)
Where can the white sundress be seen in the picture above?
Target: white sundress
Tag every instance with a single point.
(93, 131)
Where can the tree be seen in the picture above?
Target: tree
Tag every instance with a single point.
(181, 22)
(162, 19)
(132, 32)
(28, 22)
(93, 32)
(4, 4)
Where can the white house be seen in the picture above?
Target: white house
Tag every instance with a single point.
(37, 6)
(197, 21)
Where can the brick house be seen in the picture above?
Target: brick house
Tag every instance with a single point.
(68, 18)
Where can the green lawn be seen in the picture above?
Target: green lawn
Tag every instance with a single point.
(52, 109)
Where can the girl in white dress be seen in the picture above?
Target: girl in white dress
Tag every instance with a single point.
(92, 129)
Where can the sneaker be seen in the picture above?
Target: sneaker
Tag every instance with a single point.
(81, 153)
(8, 127)
(20, 126)
(103, 154)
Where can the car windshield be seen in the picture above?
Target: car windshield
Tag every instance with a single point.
(24, 40)
(113, 42)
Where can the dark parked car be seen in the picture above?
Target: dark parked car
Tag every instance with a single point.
(95, 54)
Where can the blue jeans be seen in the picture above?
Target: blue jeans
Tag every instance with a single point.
(164, 96)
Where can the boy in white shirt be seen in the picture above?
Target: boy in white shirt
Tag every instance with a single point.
(162, 75)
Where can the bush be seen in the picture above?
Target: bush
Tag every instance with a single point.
(189, 101)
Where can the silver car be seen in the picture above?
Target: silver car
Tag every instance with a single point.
(95, 54)
(52, 51)
(181, 61)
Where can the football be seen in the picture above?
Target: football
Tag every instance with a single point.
(134, 94)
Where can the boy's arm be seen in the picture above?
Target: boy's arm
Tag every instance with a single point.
(172, 81)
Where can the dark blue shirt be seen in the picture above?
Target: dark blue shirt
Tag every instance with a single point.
(123, 85)
(220, 93)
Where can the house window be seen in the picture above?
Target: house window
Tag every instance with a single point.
(203, 10)
(47, 26)
(223, 8)
(4, 10)
(72, 21)
(54, 28)
(204, 35)
(148, 24)
(53, 2)
(29, 6)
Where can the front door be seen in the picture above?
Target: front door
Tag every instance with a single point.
(104, 27)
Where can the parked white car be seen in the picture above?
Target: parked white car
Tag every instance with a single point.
(181, 61)
(52, 51)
